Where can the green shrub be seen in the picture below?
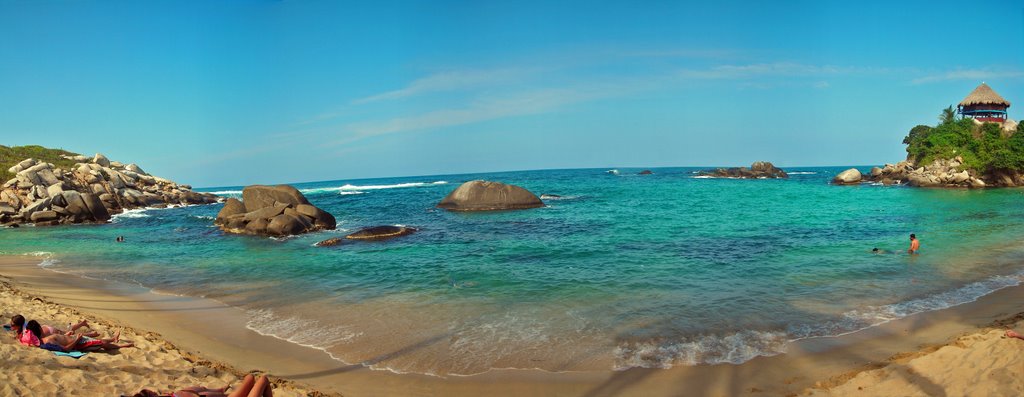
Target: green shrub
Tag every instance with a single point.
(10, 156)
(984, 148)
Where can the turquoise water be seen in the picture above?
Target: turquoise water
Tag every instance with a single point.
(621, 271)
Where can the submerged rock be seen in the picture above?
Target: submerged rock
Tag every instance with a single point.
(330, 242)
(381, 232)
(645, 172)
(489, 196)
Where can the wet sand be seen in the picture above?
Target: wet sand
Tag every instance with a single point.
(207, 330)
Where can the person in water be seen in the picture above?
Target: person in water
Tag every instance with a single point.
(915, 244)
(879, 251)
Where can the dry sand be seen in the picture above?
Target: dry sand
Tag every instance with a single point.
(958, 351)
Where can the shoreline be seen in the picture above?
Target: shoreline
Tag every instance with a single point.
(213, 332)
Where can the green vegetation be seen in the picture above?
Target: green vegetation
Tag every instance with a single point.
(10, 156)
(985, 148)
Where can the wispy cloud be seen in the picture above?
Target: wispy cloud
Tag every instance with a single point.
(770, 69)
(969, 74)
(520, 104)
(449, 81)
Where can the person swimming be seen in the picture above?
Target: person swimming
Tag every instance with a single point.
(915, 244)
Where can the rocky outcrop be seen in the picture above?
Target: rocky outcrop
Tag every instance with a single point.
(272, 210)
(90, 191)
(381, 232)
(757, 170)
(489, 196)
(940, 173)
(645, 172)
(851, 176)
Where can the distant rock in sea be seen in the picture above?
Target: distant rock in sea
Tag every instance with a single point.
(272, 210)
(757, 170)
(90, 191)
(645, 172)
(489, 196)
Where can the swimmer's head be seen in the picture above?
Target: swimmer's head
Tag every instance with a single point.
(912, 236)
(874, 250)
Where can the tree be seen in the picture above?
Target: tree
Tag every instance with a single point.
(948, 115)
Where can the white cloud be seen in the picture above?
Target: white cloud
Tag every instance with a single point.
(449, 81)
(969, 74)
(770, 69)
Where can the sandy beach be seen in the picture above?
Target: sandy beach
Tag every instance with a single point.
(185, 341)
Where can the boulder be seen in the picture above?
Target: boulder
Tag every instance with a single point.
(101, 160)
(757, 170)
(330, 242)
(76, 205)
(257, 226)
(489, 196)
(7, 209)
(266, 212)
(850, 176)
(38, 205)
(381, 232)
(97, 211)
(260, 196)
(231, 207)
(960, 177)
(54, 190)
(43, 216)
(285, 225)
(321, 218)
(135, 168)
(876, 172)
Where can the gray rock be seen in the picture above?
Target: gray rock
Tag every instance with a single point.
(231, 207)
(97, 211)
(101, 160)
(54, 190)
(257, 226)
(489, 196)
(266, 212)
(76, 205)
(135, 168)
(43, 216)
(38, 205)
(850, 176)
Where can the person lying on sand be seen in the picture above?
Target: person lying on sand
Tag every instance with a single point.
(250, 387)
(66, 343)
(18, 321)
(1013, 334)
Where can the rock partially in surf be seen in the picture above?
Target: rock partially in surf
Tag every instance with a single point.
(330, 242)
(489, 196)
(381, 232)
(645, 172)
(272, 210)
(757, 170)
(848, 177)
(231, 207)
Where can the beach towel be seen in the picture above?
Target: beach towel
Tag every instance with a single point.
(74, 354)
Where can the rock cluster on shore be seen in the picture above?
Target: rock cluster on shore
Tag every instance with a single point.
(272, 210)
(91, 192)
(940, 173)
(489, 196)
(757, 170)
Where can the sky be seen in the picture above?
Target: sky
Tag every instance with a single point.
(221, 93)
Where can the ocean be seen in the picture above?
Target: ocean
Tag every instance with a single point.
(617, 271)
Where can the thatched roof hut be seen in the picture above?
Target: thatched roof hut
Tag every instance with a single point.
(984, 95)
(984, 105)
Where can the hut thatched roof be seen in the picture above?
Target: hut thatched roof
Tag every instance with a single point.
(984, 95)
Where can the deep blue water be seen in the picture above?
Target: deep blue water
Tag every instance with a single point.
(620, 271)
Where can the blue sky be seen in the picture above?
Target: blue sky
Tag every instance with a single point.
(232, 92)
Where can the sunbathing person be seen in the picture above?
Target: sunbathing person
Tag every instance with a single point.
(66, 343)
(18, 321)
(1013, 334)
(250, 387)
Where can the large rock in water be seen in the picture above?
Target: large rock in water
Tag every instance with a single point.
(272, 210)
(757, 170)
(848, 177)
(489, 196)
(260, 196)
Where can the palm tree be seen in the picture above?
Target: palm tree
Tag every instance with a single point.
(948, 115)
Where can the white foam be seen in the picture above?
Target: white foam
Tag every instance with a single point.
(703, 177)
(801, 173)
(226, 192)
(733, 348)
(132, 213)
(308, 333)
(345, 193)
